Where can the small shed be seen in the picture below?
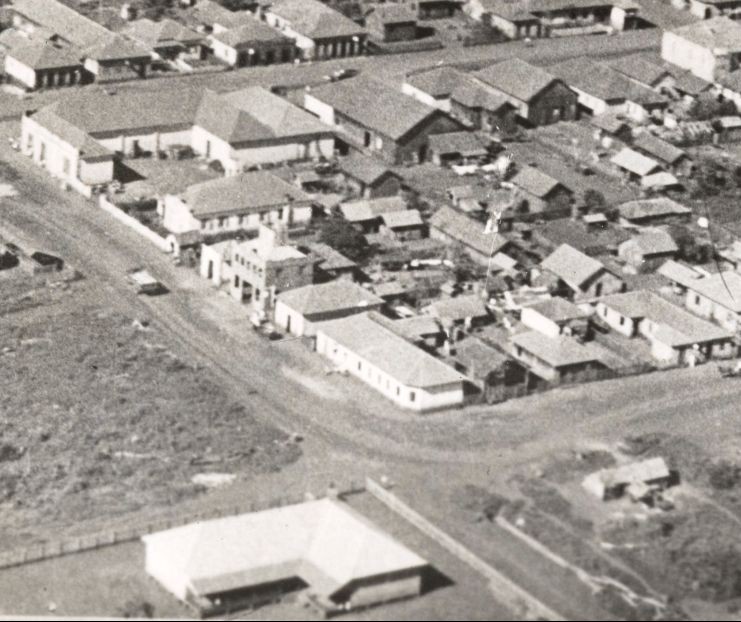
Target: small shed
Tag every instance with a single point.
(608, 484)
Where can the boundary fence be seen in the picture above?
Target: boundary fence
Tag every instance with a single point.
(134, 224)
(506, 591)
(134, 530)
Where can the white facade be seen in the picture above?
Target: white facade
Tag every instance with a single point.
(292, 321)
(704, 307)
(306, 45)
(222, 51)
(214, 266)
(411, 398)
(146, 141)
(20, 72)
(532, 319)
(325, 112)
(700, 60)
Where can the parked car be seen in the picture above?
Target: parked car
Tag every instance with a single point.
(144, 282)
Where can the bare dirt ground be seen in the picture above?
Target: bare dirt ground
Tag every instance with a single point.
(100, 417)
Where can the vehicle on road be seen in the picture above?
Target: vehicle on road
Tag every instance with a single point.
(144, 282)
(341, 74)
(730, 371)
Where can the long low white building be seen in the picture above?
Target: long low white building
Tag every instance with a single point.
(405, 374)
(322, 547)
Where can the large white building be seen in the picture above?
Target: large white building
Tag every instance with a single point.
(324, 548)
(241, 129)
(405, 374)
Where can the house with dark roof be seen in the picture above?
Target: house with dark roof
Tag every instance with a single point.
(539, 193)
(601, 89)
(403, 225)
(252, 42)
(392, 22)
(457, 148)
(602, 238)
(435, 9)
(558, 360)
(236, 203)
(369, 177)
(299, 310)
(319, 31)
(655, 211)
(540, 97)
(676, 336)
(433, 87)
(671, 157)
(578, 276)
(482, 107)
(648, 249)
(166, 38)
(38, 63)
(454, 227)
(405, 374)
(331, 264)
(375, 118)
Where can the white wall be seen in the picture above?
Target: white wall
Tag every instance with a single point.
(298, 325)
(424, 399)
(325, 112)
(305, 44)
(20, 72)
(223, 51)
(177, 217)
(152, 141)
(426, 98)
(95, 173)
(699, 60)
(542, 324)
(158, 565)
(60, 158)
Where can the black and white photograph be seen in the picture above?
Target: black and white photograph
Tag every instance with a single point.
(370, 310)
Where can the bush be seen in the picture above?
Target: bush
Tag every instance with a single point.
(344, 238)
(136, 609)
(724, 475)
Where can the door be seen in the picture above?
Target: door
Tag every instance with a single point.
(288, 323)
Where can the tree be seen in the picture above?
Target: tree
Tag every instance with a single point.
(594, 201)
(708, 107)
(344, 238)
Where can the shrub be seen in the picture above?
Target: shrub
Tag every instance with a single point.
(724, 475)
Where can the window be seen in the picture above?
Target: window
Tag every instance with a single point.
(360, 366)
(622, 320)
(398, 390)
(697, 299)
(412, 396)
(65, 166)
(366, 139)
(280, 213)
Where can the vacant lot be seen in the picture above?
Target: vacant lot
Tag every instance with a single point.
(100, 418)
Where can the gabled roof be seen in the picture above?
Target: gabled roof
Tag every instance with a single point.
(723, 288)
(661, 179)
(245, 193)
(210, 13)
(336, 295)
(368, 209)
(394, 13)
(573, 267)
(652, 208)
(473, 94)
(364, 168)
(458, 308)
(330, 259)
(63, 20)
(676, 327)
(535, 181)
(464, 143)
(640, 69)
(255, 114)
(402, 218)
(512, 11)
(45, 55)
(249, 30)
(719, 34)
(324, 542)
(71, 134)
(653, 241)
(558, 351)
(385, 350)
(438, 82)
(659, 148)
(315, 20)
(116, 47)
(164, 32)
(467, 231)
(635, 162)
(558, 309)
(517, 78)
(375, 105)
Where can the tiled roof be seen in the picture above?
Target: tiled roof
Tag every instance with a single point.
(516, 78)
(331, 259)
(375, 105)
(328, 297)
(315, 20)
(467, 231)
(325, 542)
(45, 55)
(535, 182)
(245, 193)
(255, 114)
(211, 13)
(166, 31)
(464, 143)
(402, 218)
(677, 327)
(249, 30)
(368, 209)
(71, 134)
(458, 308)
(473, 94)
(716, 33)
(652, 208)
(513, 11)
(558, 351)
(722, 288)
(571, 266)
(438, 82)
(63, 20)
(558, 309)
(394, 13)
(385, 350)
(658, 148)
(364, 168)
(653, 241)
(639, 69)
(116, 48)
(635, 162)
